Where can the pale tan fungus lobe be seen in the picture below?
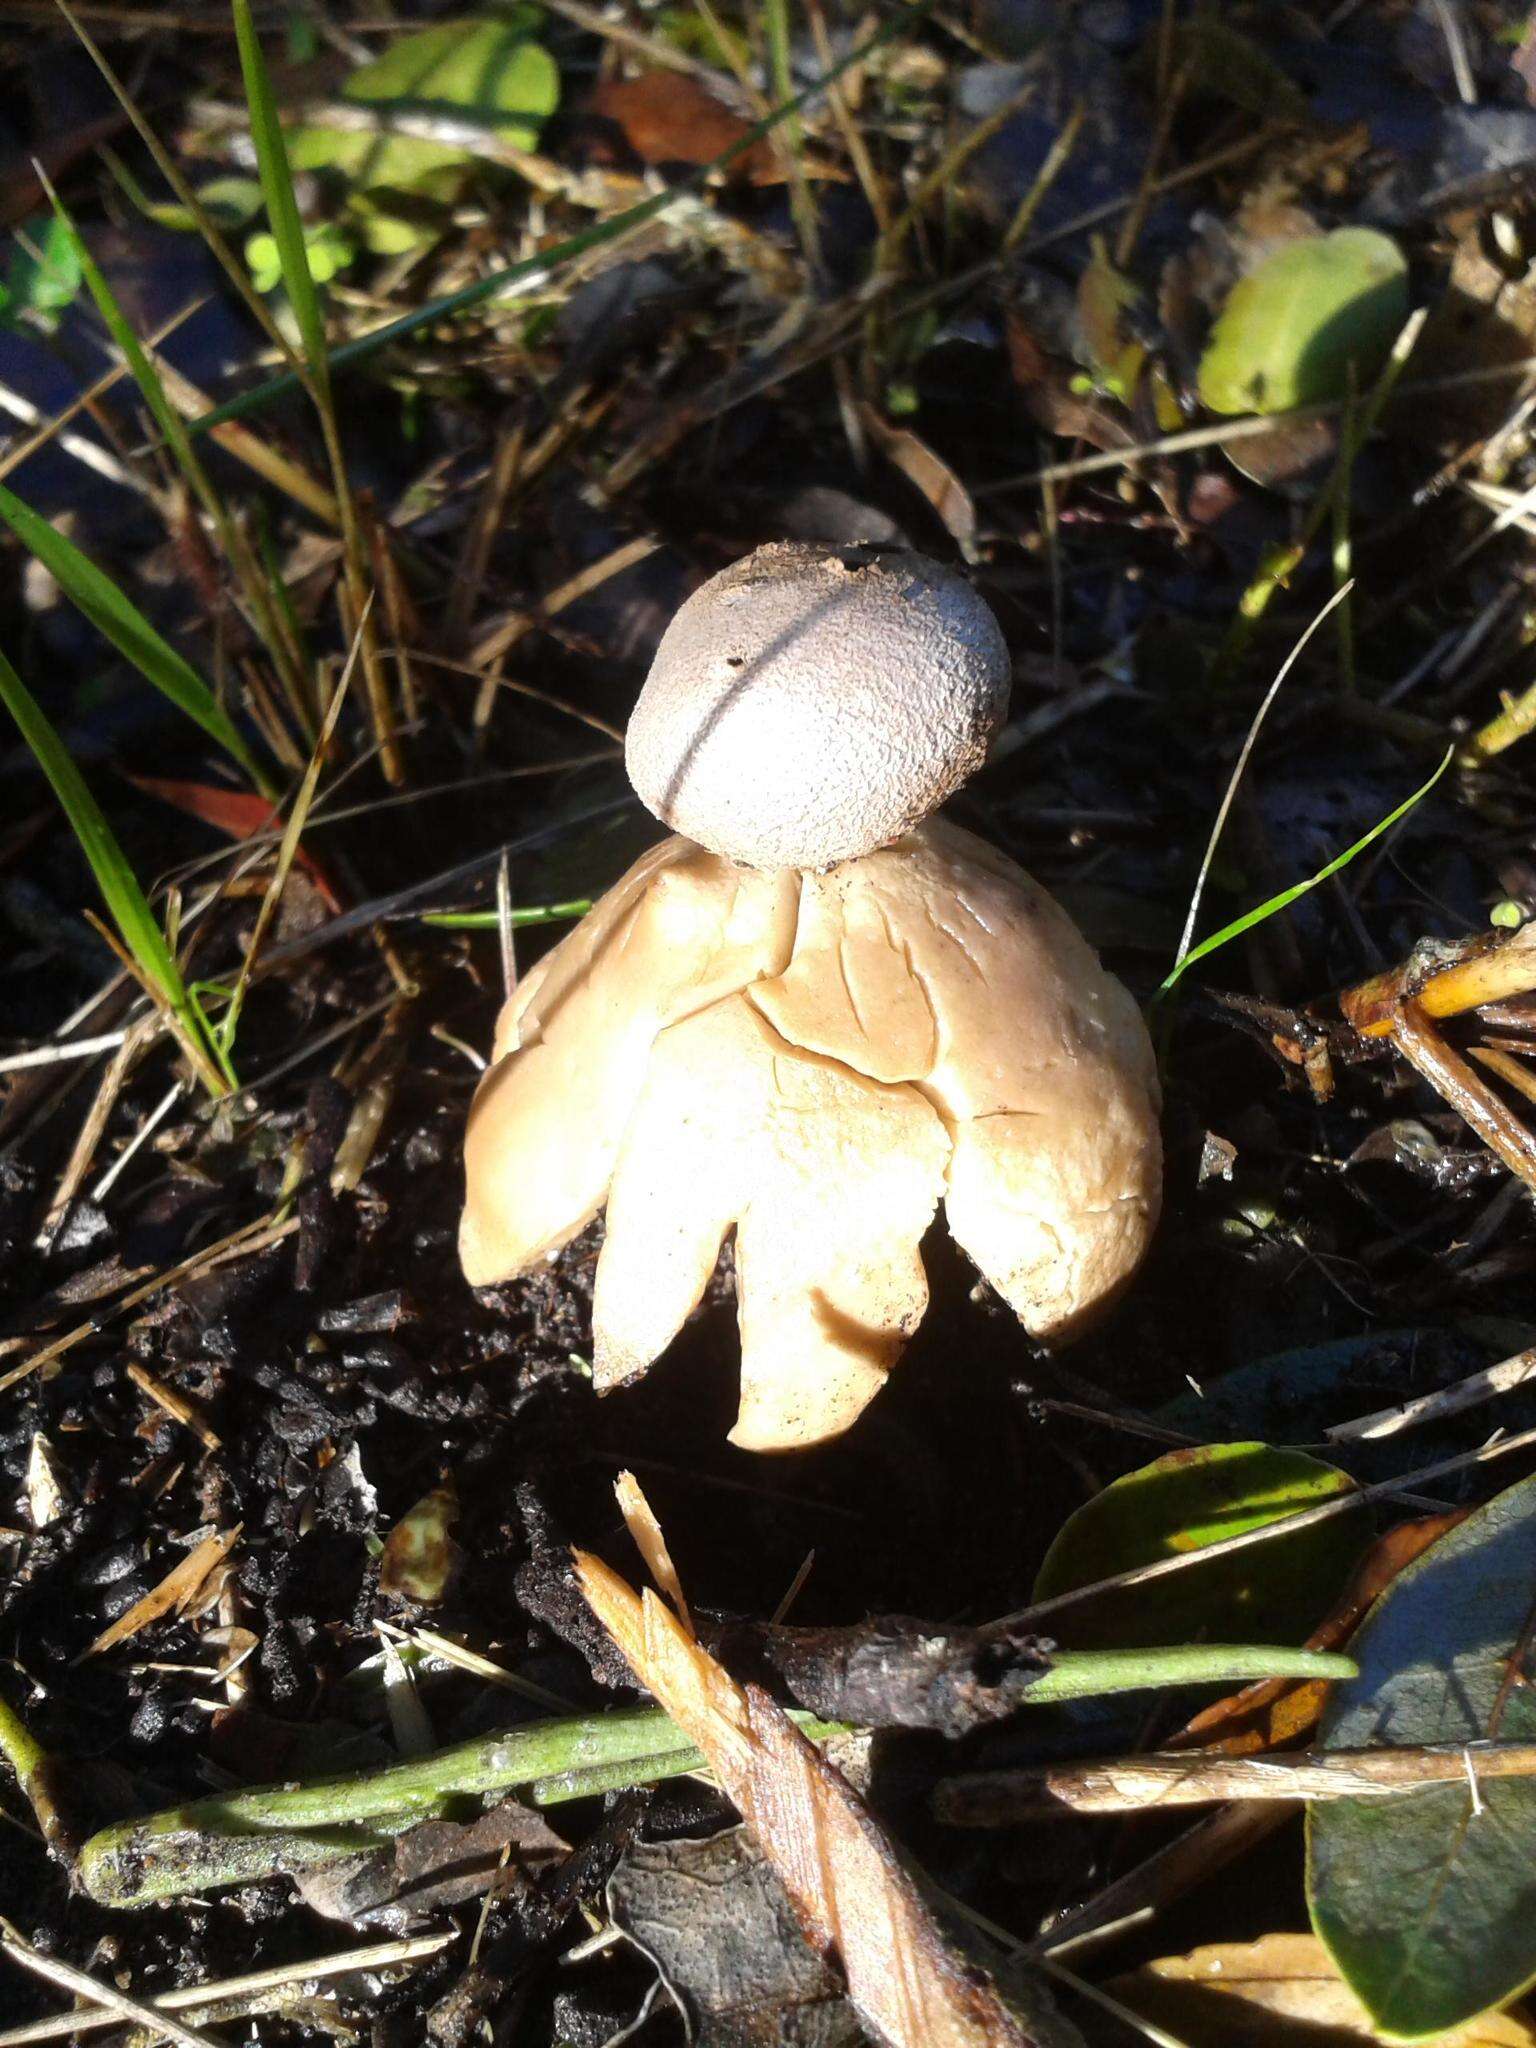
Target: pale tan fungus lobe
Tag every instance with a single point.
(814, 1062)
(874, 1014)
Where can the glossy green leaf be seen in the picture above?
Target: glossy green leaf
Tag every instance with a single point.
(490, 74)
(1275, 1592)
(120, 621)
(1294, 331)
(1427, 1902)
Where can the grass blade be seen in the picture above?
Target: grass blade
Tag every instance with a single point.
(140, 363)
(276, 175)
(120, 621)
(539, 267)
(1286, 897)
(119, 886)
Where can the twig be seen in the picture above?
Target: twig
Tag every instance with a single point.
(251, 1237)
(106, 1997)
(1466, 1091)
(382, 1955)
(1481, 1386)
(1002, 1799)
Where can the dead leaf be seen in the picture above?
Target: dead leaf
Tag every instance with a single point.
(892, 1672)
(437, 1863)
(926, 472)
(180, 1592)
(669, 118)
(46, 1497)
(238, 813)
(854, 1900)
(1282, 1710)
(1282, 1988)
(716, 1922)
(645, 1533)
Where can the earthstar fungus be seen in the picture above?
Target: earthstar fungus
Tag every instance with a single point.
(819, 1014)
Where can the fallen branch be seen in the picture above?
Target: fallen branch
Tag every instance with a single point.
(1000, 1799)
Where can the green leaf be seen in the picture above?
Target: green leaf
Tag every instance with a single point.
(488, 73)
(42, 278)
(1273, 1592)
(1294, 330)
(119, 887)
(228, 203)
(327, 250)
(1427, 1902)
(277, 191)
(120, 621)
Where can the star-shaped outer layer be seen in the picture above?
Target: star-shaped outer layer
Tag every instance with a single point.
(815, 1061)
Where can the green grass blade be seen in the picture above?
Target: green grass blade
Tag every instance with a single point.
(141, 366)
(550, 260)
(120, 621)
(276, 174)
(116, 880)
(1286, 897)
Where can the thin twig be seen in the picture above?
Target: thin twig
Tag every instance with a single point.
(1478, 1387)
(106, 1997)
(193, 1998)
(1137, 1784)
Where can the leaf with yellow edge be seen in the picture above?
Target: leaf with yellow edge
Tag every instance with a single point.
(856, 1904)
(1279, 1990)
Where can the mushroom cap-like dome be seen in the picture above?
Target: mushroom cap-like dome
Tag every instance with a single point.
(810, 704)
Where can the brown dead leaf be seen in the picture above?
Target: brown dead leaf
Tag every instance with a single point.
(645, 1533)
(854, 1901)
(926, 472)
(1280, 1989)
(179, 1592)
(1281, 1710)
(669, 118)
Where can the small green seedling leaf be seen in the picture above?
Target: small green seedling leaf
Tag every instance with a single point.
(230, 203)
(1427, 1903)
(327, 251)
(1271, 1592)
(42, 274)
(1320, 313)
